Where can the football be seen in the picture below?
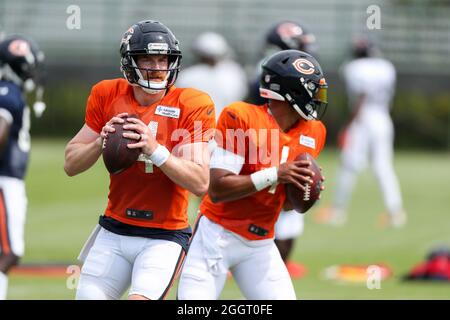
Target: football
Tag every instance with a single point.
(301, 200)
(116, 155)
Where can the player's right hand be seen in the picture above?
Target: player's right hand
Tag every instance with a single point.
(295, 172)
(108, 127)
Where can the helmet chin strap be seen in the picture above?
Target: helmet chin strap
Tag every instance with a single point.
(269, 94)
(297, 108)
(150, 91)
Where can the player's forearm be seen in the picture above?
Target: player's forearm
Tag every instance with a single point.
(231, 187)
(187, 174)
(79, 156)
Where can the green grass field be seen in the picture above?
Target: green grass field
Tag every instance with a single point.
(62, 212)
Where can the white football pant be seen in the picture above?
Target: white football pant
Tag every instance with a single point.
(369, 138)
(115, 261)
(13, 207)
(256, 266)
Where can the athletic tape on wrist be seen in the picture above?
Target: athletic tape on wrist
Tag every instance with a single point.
(264, 178)
(160, 155)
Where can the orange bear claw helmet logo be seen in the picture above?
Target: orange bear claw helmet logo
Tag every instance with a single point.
(19, 48)
(304, 66)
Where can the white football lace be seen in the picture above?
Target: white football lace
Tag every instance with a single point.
(307, 192)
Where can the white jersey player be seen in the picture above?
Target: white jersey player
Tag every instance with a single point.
(369, 137)
(216, 74)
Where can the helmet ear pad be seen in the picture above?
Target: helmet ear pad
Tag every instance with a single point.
(128, 70)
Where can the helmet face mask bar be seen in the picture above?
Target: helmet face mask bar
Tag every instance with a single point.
(142, 76)
(315, 107)
(149, 38)
(295, 77)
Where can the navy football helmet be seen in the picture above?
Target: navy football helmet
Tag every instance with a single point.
(147, 38)
(22, 62)
(286, 35)
(296, 77)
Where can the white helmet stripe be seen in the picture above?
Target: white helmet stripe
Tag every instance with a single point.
(269, 94)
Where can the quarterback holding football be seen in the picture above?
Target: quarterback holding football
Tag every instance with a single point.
(143, 235)
(254, 160)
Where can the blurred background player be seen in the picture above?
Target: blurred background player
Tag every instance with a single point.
(237, 218)
(285, 35)
(143, 236)
(369, 136)
(215, 72)
(20, 62)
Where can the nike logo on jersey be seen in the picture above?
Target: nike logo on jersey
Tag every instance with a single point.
(308, 142)
(170, 112)
(232, 115)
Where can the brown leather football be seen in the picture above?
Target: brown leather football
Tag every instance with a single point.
(301, 200)
(116, 155)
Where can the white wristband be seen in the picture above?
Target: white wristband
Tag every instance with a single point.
(264, 178)
(160, 155)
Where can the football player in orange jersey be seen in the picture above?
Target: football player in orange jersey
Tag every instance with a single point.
(143, 235)
(251, 164)
(284, 35)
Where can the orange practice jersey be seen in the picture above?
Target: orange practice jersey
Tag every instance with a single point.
(143, 195)
(254, 217)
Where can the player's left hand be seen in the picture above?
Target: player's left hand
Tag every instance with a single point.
(144, 137)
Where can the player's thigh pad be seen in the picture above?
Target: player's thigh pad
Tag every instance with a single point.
(155, 268)
(289, 225)
(205, 269)
(13, 206)
(106, 273)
